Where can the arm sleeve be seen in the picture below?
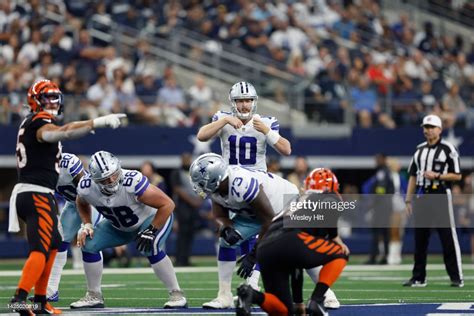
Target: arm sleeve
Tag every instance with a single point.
(454, 165)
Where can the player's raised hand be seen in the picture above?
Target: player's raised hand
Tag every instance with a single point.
(234, 122)
(85, 230)
(111, 120)
(259, 125)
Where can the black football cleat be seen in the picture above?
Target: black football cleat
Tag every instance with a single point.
(415, 283)
(21, 307)
(244, 300)
(316, 308)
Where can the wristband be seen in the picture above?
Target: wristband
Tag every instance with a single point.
(272, 137)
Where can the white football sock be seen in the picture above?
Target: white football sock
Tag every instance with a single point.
(164, 270)
(225, 271)
(76, 258)
(93, 272)
(56, 271)
(314, 273)
(253, 280)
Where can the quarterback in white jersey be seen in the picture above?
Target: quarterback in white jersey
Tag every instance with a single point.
(243, 133)
(133, 210)
(254, 197)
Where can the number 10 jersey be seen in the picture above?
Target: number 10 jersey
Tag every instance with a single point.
(245, 146)
(122, 208)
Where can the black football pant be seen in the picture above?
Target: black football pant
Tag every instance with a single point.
(440, 210)
(281, 252)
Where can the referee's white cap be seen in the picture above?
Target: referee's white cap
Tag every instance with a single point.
(432, 120)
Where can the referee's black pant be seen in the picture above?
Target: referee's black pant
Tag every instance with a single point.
(435, 212)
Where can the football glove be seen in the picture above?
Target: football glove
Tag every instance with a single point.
(111, 120)
(145, 239)
(230, 235)
(247, 263)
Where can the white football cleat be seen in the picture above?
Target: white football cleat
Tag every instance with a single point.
(330, 300)
(91, 300)
(177, 300)
(220, 302)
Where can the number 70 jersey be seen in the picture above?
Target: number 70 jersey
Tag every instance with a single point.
(245, 146)
(122, 208)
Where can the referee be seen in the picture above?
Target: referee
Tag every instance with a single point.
(433, 167)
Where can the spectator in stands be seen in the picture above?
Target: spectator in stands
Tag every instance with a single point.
(453, 108)
(9, 52)
(427, 99)
(102, 98)
(147, 89)
(88, 57)
(418, 67)
(172, 103)
(299, 173)
(345, 26)
(31, 50)
(365, 105)
(255, 39)
(201, 101)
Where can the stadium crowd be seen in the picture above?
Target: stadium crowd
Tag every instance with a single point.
(386, 74)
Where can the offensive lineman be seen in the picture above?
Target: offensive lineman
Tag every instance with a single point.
(253, 196)
(133, 210)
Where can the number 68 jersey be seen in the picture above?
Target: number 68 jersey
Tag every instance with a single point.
(122, 208)
(245, 146)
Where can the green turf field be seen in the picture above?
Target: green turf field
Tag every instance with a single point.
(359, 284)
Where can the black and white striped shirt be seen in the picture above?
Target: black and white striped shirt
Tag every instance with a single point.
(441, 157)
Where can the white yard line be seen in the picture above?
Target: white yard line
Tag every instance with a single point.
(354, 268)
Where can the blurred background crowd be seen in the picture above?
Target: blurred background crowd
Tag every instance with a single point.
(354, 63)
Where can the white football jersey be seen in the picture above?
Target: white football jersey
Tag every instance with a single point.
(69, 167)
(245, 146)
(244, 186)
(123, 208)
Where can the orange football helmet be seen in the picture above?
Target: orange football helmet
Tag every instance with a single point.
(43, 92)
(321, 180)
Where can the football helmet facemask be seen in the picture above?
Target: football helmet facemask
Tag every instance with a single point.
(43, 93)
(207, 172)
(243, 90)
(105, 170)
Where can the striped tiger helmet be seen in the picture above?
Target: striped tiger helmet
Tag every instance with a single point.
(321, 180)
(243, 90)
(42, 93)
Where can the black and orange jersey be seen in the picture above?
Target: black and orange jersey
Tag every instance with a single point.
(37, 162)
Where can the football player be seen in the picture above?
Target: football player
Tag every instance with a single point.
(133, 210)
(244, 136)
(71, 171)
(253, 197)
(38, 151)
(243, 133)
(284, 252)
